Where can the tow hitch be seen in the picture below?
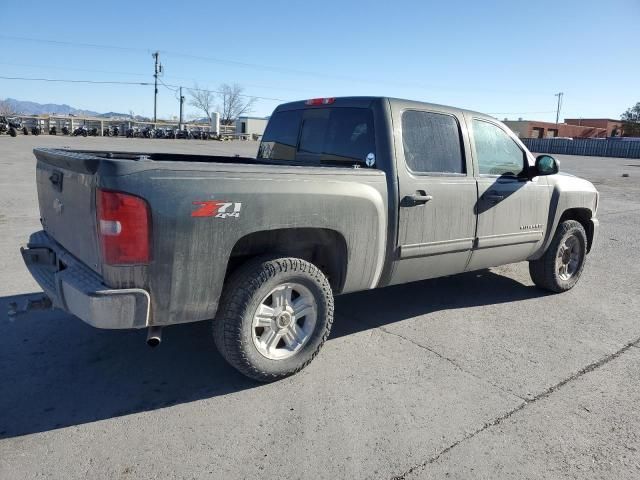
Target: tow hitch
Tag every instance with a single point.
(40, 303)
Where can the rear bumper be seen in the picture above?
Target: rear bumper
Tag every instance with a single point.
(76, 289)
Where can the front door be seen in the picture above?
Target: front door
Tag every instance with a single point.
(512, 209)
(437, 195)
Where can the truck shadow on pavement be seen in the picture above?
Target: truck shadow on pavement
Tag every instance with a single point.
(56, 371)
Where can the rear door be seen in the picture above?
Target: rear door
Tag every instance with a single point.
(437, 194)
(512, 209)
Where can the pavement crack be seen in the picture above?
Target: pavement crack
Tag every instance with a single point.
(542, 395)
(452, 362)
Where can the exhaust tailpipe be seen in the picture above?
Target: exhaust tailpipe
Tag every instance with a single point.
(154, 336)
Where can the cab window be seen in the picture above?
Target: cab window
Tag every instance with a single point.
(497, 153)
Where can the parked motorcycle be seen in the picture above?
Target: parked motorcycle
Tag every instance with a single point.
(82, 130)
(183, 134)
(133, 132)
(171, 133)
(36, 130)
(106, 132)
(115, 131)
(8, 126)
(53, 131)
(65, 130)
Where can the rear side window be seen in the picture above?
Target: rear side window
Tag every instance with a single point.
(432, 143)
(281, 136)
(330, 135)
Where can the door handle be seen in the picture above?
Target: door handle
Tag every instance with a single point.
(494, 198)
(418, 198)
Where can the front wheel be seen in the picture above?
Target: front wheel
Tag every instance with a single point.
(560, 267)
(274, 316)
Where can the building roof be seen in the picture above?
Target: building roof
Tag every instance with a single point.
(590, 119)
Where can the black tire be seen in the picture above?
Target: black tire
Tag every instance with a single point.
(13, 132)
(244, 291)
(25, 130)
(544, 271)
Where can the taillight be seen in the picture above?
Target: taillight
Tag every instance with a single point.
(320, 101)
(123, 227)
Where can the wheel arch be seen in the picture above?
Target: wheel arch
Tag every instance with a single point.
(583, 216)
(325, 248)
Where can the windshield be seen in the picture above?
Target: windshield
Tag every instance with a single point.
(319, 135)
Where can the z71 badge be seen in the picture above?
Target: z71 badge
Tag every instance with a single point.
(216, 209)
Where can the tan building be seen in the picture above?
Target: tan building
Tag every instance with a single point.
(536, 129)
(612, 127)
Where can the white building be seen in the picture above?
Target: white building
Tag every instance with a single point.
(251, 125)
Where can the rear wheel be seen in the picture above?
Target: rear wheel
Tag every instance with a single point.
(13, 132)
(560, 267)
(274, 316)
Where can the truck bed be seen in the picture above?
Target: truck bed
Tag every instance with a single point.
(193, 247)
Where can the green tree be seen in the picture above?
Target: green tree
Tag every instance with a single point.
(631, 121)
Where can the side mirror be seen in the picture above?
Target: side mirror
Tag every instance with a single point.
(546, 165)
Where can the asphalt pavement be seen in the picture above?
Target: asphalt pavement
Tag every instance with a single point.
(480, 375)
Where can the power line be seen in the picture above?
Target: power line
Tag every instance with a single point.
(66, 80)
(260, 67)
(115, 82)
(75, 44)
(58, 67)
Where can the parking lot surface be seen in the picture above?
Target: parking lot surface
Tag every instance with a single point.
(479, 375)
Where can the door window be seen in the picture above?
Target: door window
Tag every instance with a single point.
(432, 143)
(497, 152)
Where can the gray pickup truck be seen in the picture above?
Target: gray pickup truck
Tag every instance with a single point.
(345, 194)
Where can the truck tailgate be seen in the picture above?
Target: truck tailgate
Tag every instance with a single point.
(67, 208)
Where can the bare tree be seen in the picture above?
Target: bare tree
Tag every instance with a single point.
(233, 103)
(202, 100)
(6, 109)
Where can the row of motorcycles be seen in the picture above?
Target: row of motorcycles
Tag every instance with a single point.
(150, 132)
(83, 131)
(12, 127)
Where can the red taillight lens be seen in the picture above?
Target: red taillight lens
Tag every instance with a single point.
(320, 101)
(123, 227)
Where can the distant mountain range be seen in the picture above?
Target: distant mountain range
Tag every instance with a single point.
(34, 108)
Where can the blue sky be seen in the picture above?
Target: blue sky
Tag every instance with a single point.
(507, 58)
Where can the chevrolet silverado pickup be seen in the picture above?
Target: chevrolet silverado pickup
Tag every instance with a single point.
(344, 194)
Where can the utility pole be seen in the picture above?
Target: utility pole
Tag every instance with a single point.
(156, 70)
(181, 104)
(559, 95)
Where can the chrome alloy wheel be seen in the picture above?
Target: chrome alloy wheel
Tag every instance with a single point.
(569, 258)
(284, 321)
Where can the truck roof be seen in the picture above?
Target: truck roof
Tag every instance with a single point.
(364, 102)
